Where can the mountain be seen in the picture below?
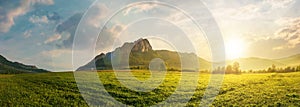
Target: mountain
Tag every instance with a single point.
(139, 54)
(263, 63)
(293, 60)
(8, 67)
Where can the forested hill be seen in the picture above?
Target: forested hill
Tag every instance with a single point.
(9, 67)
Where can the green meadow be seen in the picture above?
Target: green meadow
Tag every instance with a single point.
(47, 89)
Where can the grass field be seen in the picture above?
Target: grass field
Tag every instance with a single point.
(46, 89)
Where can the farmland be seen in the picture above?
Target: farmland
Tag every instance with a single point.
(46, 89)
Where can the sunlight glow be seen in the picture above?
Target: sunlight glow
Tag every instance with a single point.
(234, 48)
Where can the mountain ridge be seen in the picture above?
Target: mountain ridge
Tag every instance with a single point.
(140, 53)
(9, 67)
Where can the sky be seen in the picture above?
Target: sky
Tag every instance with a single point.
(46, 32)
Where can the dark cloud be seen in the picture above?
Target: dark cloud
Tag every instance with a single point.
(53, 16)
(106, 37)
(69, 26)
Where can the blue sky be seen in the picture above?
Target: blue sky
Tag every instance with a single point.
(41, 32)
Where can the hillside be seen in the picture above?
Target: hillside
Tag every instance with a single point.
(140, 55)
(293, 60)
(262, 63)
(9, 67)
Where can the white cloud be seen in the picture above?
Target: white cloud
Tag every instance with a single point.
(27, 33)
(178, 18)
(254, 10)
(7, 20)
(117, 28)
(242, 13)
(283, 21)
(137, 8)
(279, 3)
(247, 12)
(53, 38)
(37, 19)
(46, 2)
(290, 32)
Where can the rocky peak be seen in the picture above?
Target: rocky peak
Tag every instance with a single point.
(102, 55)
(141, 45)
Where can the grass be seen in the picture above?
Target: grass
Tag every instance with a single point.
(47, 89)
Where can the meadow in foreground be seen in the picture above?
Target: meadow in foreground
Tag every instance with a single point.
(46, 89)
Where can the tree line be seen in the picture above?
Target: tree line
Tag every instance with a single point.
(229, 69)
(235, 69)
(274, 69)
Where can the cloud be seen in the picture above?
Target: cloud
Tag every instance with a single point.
(248, 11)
(99, 11)
(55, 52)
(283, 21)
(278, 48)
(177, 18)
(279, 3)
(286, 39)
(137, 8)
(53, 38)
(27, 33)
(46, 2)
(290, 32)
(53, 16)
(37, 19)
(69, 26)
(267, 47)
(116, 29)
(55, 60)
(90, 23)
(7, 19)
(107, 37)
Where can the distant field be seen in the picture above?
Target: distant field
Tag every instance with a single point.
(46, 89)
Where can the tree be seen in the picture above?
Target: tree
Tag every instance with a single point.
(298, 68)
(269, 69)
(228, 69)
(236, 67)
(273, 68)
(288, 69)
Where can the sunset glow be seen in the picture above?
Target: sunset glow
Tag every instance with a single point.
(234, 48)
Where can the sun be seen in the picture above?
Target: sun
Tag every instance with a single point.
(234, 48)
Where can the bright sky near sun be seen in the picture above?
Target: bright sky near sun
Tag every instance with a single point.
(41, 32)
(234, 48)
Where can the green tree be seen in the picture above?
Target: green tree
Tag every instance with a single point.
(228, 69)
(273, 68)
(236, 67)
